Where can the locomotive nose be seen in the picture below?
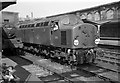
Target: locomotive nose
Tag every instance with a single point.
(9, 31)
(84, 35)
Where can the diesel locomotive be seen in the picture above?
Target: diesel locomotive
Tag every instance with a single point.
(66, 38)
(9, 42)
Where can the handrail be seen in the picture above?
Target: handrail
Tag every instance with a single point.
(28, 78)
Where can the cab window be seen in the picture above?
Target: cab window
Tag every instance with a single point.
(54, 26)
(65, 21)
(69, 20)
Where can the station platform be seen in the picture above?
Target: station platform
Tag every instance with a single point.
(24, 75)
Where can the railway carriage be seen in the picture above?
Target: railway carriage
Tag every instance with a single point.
(65, 38)
(109, 34)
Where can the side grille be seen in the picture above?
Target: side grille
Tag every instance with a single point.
(63, 38)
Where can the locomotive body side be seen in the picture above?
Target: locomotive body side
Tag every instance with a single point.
(42, 35)
(66, 38)
(35, 34)
(20, 32)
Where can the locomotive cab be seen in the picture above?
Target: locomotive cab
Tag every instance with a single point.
(8, 31)
(73, 33)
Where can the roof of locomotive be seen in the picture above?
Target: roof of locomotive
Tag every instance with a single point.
(64, 18)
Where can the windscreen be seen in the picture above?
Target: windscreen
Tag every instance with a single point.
(71, 20)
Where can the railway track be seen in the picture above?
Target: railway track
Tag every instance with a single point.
(109, 59)
(46, 71)
(60, 71)
(110, 50)
(83, 73)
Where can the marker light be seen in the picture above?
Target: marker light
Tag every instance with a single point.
(76, 42)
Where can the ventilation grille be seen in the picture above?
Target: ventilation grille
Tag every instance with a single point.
(63, 38)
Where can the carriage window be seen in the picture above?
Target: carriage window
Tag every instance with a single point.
(110, 30)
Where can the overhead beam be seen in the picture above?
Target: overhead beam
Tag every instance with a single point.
(101, 14)
(6, 3)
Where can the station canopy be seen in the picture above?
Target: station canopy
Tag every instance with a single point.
(6, 3)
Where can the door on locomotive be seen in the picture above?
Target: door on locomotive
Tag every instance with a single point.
(55, 33)
(29, 34)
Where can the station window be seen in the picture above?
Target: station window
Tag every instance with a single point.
(110, 14)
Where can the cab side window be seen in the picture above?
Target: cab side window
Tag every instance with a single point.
(54, 26)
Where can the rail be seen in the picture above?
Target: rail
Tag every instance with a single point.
(26, 81)
(102, 76)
